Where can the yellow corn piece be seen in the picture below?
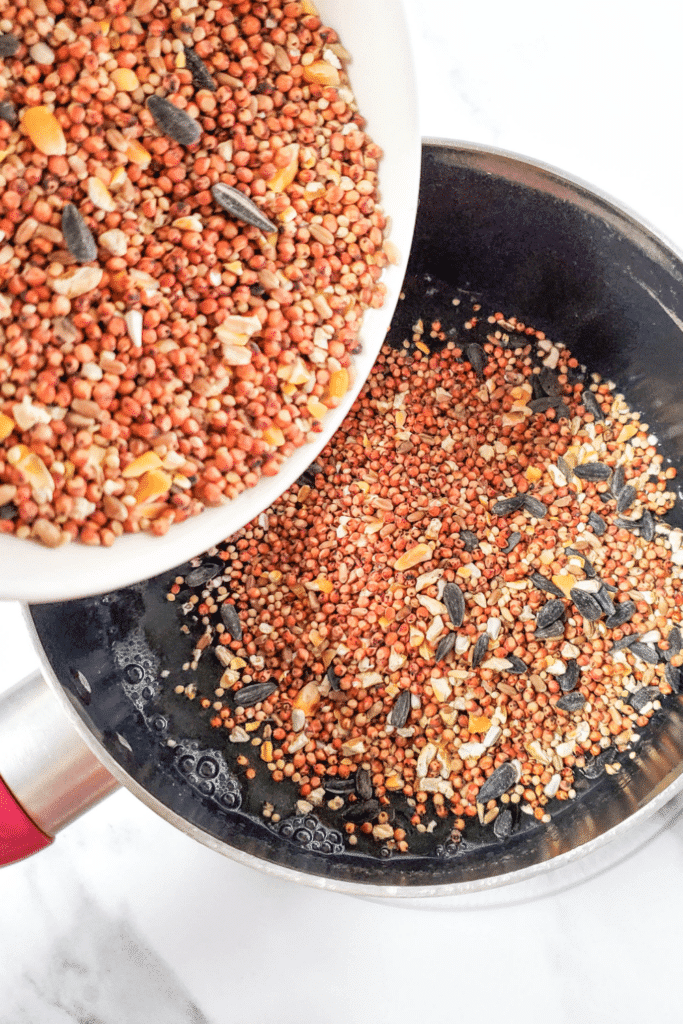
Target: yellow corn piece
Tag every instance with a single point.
(6, 426)
(339, 383)
(289, 389)
(317, 409)
(307, 699)
(125, 80)
(326, 586)
(422, 347)
(137, 153)
(628, 432)
(44, 131)
(153, 485)
(400, 418)
(394, 782)
(266, 751)
(100, 196)
(273, 435)
(320, 72)
(478, 723)
(118, 176)
(564, 582)
(299, 374)
(143, 463)
(188, 224)
(284, 176)
(415, 555)
(533, 474)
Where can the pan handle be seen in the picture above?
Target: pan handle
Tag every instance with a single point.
(48, 774)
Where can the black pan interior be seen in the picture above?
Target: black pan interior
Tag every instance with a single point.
(518, 238)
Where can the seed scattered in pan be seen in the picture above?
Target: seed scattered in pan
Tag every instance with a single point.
(571, 702)
(77, 235)
(446, 645)
(239, 206)
(535, 507)
(398, 716)
(625, 642)
(586, 604)
(8, 113)
(200, 73)
(543, 404)
(231, 620)
(604, 599)
(645, 695)
(645, 652)
(517, 666)
(675, 642)
(674, 677)
(480, 648)
(550, 612)
(254, 694)
(498, 783)
(506, 506)
(647, 526)
(362, 811)
(565, 469)
(624, 613)
(363, 784)
(617, 482)
(470, 540)
(626, 497)
(597, 524)
(204, 573)
(335, 784)
(9, 45)
(513, 541)
(476, 357)
(570, 678)
(543, 583)
(591, 404)
(173, 121)
(593, 471)
(502, 825)
(332, 677)
(555, 629)
(549, 382)
(595, 768)
(454, 600)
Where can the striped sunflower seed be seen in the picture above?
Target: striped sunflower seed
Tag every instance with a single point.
(517, 666)
(240, 207)
(204, 573)
(550, 612)
(675, 642)
(174, 122)
(562, 411)
(506, 506)
(497, 783)
(454, 600)
(570, 678)
(199, 71)
(617, 482)
(446, 645)
(254, 694)
(543, 583)
(604, 599)
(398, 716)
(571, 702)
(674, 677)
(502, 825)
(549, 382)
(361, 811)
(231, 620)
(565, 469)
(626, 497)
(77, 235)
(586, 604)
(597, 524)
(480, 648)
(593, 471)
(332, 677)
(595, 768)
(632, 525)
(645, 695)
(625, 642)
(513, 541)
(363, 784)
(470, 540)
(645, 652)
(647, 526)
(543, 404)
(476, 357)
(555, 629)
(535, 507)
(9, 45)
(591, 404)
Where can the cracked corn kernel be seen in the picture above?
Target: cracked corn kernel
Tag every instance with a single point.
(284, 176)
(415, 555)
(100, 196)
(6, 426)
(320, 72)
(273, 435)
(125, 79)
(141, 465)
(44, 130)
(339, 383)
(153, 484)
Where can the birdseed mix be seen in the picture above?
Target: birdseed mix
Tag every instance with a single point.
(468, 603)
(189, 235)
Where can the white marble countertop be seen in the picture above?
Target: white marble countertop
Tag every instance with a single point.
(124, 919)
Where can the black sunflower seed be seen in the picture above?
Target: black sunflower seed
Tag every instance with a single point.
(562, 411)
(549, 632)
(597, 524)
(199, 71)
(254, 694)
(308, 476)
(77, 235)
(594, 768)
(231, 620)
(506, 506)
(475, 355)
(570, 678)
(604, 599)
(543, 583)
(624, 613)
(517, 666)
(513, 541)
(498, 783)
(535, 507)
(571, 702)
(647, 526)
(549, 381)
(204, 573)
(470, 540)
(8, 113)
(446, 645)
(565, 469)
(550, 612)
(675, 642)
(237, 205)
(586, 604)
(480, 648)
(8, 511)
(625, 642)
(502, 825)
(626, 497)
(543, 404)
(332, 677)
(536, 389)
(335, 784)
(645, 652)
(593, 471)
(591, 404)
(9, 45)
(632, 525)
(398, 716)
(645, 695)
(454, 600)
(608, 586)
(173, 121)
(674, 677)
(363, 784)
(616, 484)
(366, 810)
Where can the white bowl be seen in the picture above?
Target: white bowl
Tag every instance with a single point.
(382, 77)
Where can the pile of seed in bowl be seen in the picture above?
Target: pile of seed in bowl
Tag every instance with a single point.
(189, 235)
(471, 596)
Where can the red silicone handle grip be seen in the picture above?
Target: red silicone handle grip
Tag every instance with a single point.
(19, 836)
